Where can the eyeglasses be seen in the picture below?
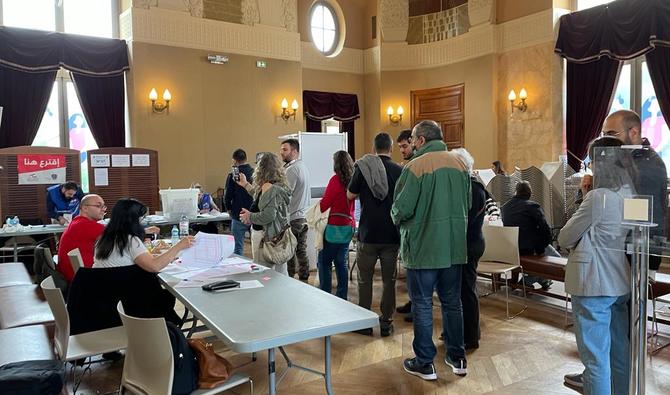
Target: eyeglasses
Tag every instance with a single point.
(100, 206)
(614, 133)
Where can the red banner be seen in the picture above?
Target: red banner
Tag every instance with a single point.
(41, 169)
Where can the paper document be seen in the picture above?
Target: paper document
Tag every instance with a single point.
(485, 175)
(208, 250)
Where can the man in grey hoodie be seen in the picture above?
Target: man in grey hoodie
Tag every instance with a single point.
(374, 182)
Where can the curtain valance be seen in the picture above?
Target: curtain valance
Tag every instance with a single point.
(342, 107)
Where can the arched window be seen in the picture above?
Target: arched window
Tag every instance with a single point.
(324, 27)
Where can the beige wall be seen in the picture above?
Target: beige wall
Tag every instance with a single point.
(507, 10)
(478, 75)
(357, 24)
(328, 81)
(535, 136)
(214, 110)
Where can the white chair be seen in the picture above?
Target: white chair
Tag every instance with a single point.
(501, 257)
(70, 348)
(149, 367)
(75, 260)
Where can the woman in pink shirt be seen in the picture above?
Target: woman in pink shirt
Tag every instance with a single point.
(340, 226)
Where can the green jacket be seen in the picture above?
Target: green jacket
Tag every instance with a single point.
(273, 210)
(430, 205)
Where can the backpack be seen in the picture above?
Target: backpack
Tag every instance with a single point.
(185, 378)
(32, 377)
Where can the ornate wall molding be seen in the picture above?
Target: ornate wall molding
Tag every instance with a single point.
(348, 61)
(250, 13)
(394, 19)
(527, 31)
(289, 16)
(165, 27)
(479, 11)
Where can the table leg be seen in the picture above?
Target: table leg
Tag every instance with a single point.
(271, 372)
(16, 250)
(329, 384)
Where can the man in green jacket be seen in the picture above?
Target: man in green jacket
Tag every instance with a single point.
(430, 205)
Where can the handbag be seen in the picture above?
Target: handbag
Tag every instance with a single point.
(213, 368)
(339, 234)
(280, 248)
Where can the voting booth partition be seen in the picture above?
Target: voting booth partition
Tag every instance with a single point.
(26, 173)
(120, 172)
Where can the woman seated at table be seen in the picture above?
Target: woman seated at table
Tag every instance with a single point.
(272, 196)
(121, 244)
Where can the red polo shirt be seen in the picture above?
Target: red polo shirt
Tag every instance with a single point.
(82, 233)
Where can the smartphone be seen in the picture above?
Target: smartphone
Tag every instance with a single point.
(236, 173)
(219, 285)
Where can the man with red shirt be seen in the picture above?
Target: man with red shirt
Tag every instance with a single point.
(82, 233)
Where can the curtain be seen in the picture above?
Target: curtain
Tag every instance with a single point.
(29, 60)
(24, 97)
(658, 62)
(102, 100)
(589, 93)
(342, 107)
(621, 30)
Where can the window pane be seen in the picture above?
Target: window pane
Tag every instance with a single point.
(49, 132)
(328, 19)
(654, 127)
(621, 100)
(317, 36)
(317, 16)
(584, 4)
(29, 14)
(328, 40)
(89, 17)
(80, 135)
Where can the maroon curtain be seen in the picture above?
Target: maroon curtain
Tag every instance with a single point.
(102, 100)
(24, 97)
(589, 93)
(342, 107)
(623, 30)
(658, 62)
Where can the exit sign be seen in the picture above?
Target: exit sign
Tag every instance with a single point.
(261, 64)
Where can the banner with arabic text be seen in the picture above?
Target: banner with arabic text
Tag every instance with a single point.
(41, 169)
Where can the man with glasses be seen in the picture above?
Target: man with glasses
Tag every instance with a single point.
(82, 233)
(626, 126)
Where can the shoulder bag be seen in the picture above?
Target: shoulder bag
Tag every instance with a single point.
(213, 368)
(340, 234)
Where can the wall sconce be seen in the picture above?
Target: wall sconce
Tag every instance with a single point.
(285, 112)
(523, 95)
(160, 106)
(396, 117)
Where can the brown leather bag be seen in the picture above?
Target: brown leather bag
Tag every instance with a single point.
(214, 369)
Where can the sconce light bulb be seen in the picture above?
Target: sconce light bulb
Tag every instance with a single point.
(400, 110)
(389, 111)
(523, 94)
(511, 96)
(284, 104)
(153, 95)
(166, 95)
(294, 104)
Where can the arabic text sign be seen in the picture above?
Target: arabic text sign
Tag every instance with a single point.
(41, 169)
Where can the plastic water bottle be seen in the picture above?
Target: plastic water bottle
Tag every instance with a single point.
(175, 235)
(14, 221)
(183, 226)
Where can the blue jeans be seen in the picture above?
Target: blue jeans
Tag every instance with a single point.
(447, 283)
(337, 253)
(239, 229)
(601, 329)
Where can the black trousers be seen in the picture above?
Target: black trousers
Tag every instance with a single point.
(469, 298)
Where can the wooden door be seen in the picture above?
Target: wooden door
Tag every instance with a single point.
(445, 106)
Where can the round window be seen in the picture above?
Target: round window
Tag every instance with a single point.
(324, 27)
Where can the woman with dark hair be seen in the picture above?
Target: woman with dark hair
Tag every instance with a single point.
(340, 228)
(121, 244)
(268, 214)
(597, 275)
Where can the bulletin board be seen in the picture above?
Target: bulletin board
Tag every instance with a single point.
(116, 173)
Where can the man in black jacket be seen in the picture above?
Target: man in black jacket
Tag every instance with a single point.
(534, 231)
(237, 198)
(652, 180)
